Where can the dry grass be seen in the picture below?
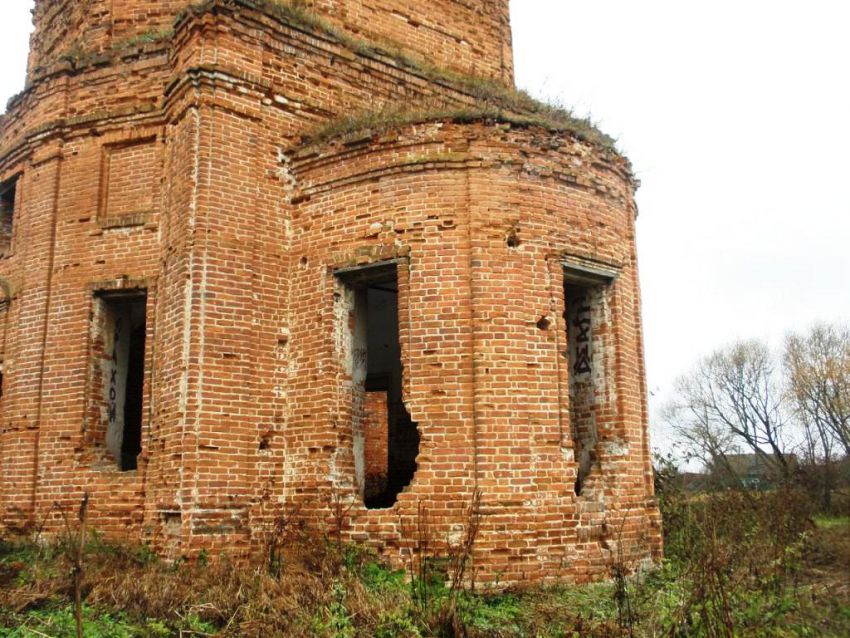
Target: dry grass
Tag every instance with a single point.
(394, 116)
(235, 598)
(491, 100)
(301, 584)
(738, 566)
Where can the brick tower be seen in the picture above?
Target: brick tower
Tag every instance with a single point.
(260, 257)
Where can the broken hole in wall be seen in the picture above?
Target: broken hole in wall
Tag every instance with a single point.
(119, 331)
(385, 438)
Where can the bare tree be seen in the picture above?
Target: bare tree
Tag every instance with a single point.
(698, 434)
(733, 397)
(818, 367)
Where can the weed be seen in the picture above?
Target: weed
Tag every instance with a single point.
(62, 622)
(832, 522)
(490, 99)
(397, 624)
(738, 565)
(490, 109)
(147, 37)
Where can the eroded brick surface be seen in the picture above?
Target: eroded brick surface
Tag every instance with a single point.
(472, 36)
(172, 171)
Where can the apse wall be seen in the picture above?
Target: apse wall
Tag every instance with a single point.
(487, 222)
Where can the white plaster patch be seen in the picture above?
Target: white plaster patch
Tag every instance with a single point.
(455, 534)
(286, 175)
(616, 448)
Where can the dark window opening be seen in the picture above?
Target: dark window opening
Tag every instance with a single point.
(583, 300)
(8, 191)
(121, 338)
(386, 440)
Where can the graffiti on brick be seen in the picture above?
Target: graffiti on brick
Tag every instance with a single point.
(582, 322)
(113, 379)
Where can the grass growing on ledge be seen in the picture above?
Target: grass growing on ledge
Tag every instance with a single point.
(493, 100)
(146, 37)
(80, 57)
(395, 116)
(297, 14)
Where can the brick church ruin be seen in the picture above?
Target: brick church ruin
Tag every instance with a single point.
(259, 257)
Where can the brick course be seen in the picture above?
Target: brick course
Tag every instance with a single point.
(177, 163)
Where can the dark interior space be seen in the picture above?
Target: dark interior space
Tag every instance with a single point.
(131, 443)
(376, 304)
(124, 320)
(8, 191)
(578, 320)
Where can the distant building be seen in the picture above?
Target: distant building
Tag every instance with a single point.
(755, 471)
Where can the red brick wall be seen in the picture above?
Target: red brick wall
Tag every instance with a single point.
(487, 385)
(130, 176)
(376, 430)
(74, 27)
(176, 166)
(471, 36)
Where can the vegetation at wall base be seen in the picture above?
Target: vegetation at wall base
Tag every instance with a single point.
(738, 564)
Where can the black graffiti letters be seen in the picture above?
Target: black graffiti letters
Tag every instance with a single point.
(583, 324)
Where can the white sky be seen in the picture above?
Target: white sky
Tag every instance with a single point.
(736, 115)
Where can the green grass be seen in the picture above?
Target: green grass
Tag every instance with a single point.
(59, 622)
(346, 592)
(831, 522)
(323, 590)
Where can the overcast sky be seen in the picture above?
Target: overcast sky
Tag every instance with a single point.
(736, 116)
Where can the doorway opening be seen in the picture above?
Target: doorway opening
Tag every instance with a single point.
(386, 440)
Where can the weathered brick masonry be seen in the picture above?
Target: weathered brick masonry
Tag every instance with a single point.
(209, 316)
